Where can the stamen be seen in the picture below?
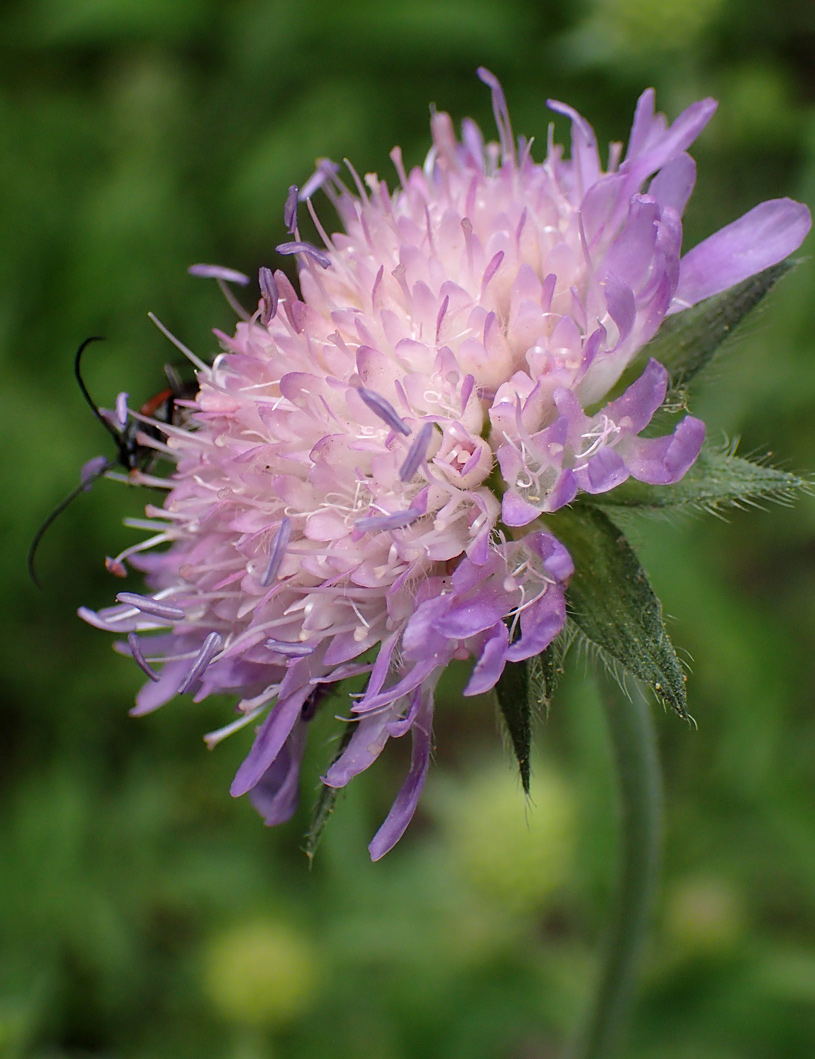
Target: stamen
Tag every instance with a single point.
(179, 345)
(92, 470)
(386, 412)
(300, 247)
(150, 606)
(290, 209)
(326, 169)
(209, 649)
(276, 552)
(121, 410)
(286, 647)
(416, 453)
(269, 295)
(135, 649)
(399, 520)
(499, 109)
(228, 275)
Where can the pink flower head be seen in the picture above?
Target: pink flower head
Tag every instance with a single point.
(360, 487)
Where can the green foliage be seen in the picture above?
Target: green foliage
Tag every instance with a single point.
(717, 480)
(611, 601)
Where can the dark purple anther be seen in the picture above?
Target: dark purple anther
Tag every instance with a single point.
(228, 275)
(386, 412)
(93, 469)
(290, 209)
(138, 657)
(209, 649)
(276, 552)
(154, 607)
(398, 520)
(416, 453)
(268, 293)
(326, 169)
(320, 256)
(291, 650)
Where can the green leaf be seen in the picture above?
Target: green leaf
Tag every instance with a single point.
(326, 800)
(522, 689)
(717, 479)
(612, 602)
(686, 342)
(515, 702)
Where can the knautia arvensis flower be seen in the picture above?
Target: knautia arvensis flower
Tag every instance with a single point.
(367, 478)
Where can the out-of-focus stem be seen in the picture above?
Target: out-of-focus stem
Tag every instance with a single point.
(636, 763)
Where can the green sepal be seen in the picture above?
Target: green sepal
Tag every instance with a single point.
(326, 800)
(687, 341)
(515, 702)
(522, 690)
(611, 601)
(717, 479)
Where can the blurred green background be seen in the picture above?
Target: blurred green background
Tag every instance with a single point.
(144, 913)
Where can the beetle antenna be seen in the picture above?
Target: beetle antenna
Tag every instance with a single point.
(94, 407)
(38, 536)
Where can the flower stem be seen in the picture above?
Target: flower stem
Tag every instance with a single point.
(636, 763)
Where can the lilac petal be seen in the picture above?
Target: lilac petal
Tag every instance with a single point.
(275, 794)
(153, 695)
(366, 744)
(210, 647)
(490, 665)
(556, 559)
(228, 275)
(416, 453)
(408, 797)
(673, 184)
(762, 237)
(517, 512)
(603, 471)
(270, 739)
(540, 624)
(471, 618)
(635, 408)
(298, 247)
(290, 209)
(269, 295)
(384, 409)
(621, 305)
(663, 461)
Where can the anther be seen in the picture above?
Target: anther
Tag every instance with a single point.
(386, 412)
(154, 607)
(276, 552)
(138, 657)
(209, 649)
(416, 453)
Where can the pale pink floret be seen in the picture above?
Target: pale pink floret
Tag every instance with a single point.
(336, 508)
